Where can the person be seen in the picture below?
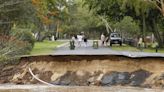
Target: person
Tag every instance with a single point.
(141, 44)
(56, 38)
(65, 36)
(102, 39)
(85, 40)
(73, 38)
(140, 41)
(80, 38)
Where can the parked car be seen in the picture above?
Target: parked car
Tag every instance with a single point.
(130, 41)
(115, 38)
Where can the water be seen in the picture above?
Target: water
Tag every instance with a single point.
(43, 88)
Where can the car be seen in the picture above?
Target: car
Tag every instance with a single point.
(115, 38)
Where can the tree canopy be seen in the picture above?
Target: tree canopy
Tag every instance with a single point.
(147, 13)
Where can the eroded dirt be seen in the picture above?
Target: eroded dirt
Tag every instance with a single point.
(87, 71)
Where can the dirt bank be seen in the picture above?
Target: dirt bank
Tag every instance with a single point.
(87, 71)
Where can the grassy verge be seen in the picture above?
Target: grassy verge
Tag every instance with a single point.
(153, 50)
(124, 48)
(45, 47)
(130, 48)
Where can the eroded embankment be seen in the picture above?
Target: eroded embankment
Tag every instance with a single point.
(87, 71)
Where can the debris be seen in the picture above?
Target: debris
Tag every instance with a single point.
(123, 78)
(109, 79)
(78, 78)
(138, 77)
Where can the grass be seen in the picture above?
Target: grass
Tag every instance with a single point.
(130, 48)
(153, 50)
(124, 48)
(45, 47)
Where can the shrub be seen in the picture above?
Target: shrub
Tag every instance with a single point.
(24, 35)
(11, 47)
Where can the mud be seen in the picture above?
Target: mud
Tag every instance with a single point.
(87, 71)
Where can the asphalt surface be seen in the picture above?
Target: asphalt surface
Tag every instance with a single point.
(102, 50)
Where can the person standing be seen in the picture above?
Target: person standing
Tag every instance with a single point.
(80, 39)
(102, 39)
(73, 38)
(140, 42)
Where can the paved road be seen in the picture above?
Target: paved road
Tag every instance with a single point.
(64, 50)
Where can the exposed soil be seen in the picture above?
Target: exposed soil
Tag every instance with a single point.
(87, 71)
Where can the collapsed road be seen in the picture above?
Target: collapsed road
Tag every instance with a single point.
(86, 70)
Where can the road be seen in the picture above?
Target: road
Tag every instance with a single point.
(102, 50)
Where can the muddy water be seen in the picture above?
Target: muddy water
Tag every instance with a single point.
(42, 88)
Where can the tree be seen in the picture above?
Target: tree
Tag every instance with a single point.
(50, 14)
(159, 4)
(147, 11)
(127, 27)
(81, 20)
(140, 10)
(13, 12)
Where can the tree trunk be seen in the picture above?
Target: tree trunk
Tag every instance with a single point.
(106, 24)
(163, 36)
(162, 7)
(57, 30)
(143, 26)
(157, 34)
(39, 37)
(41, 32)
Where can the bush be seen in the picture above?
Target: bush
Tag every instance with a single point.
(8, 60)
(24, 35)
(11, 48)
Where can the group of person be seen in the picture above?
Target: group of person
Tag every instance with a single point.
(80, 39)
(104, 40)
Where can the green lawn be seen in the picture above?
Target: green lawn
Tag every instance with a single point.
(45, 47)
(153, 50)
(123, 48)
(130, 48)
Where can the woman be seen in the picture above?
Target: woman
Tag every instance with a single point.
(102, 39)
